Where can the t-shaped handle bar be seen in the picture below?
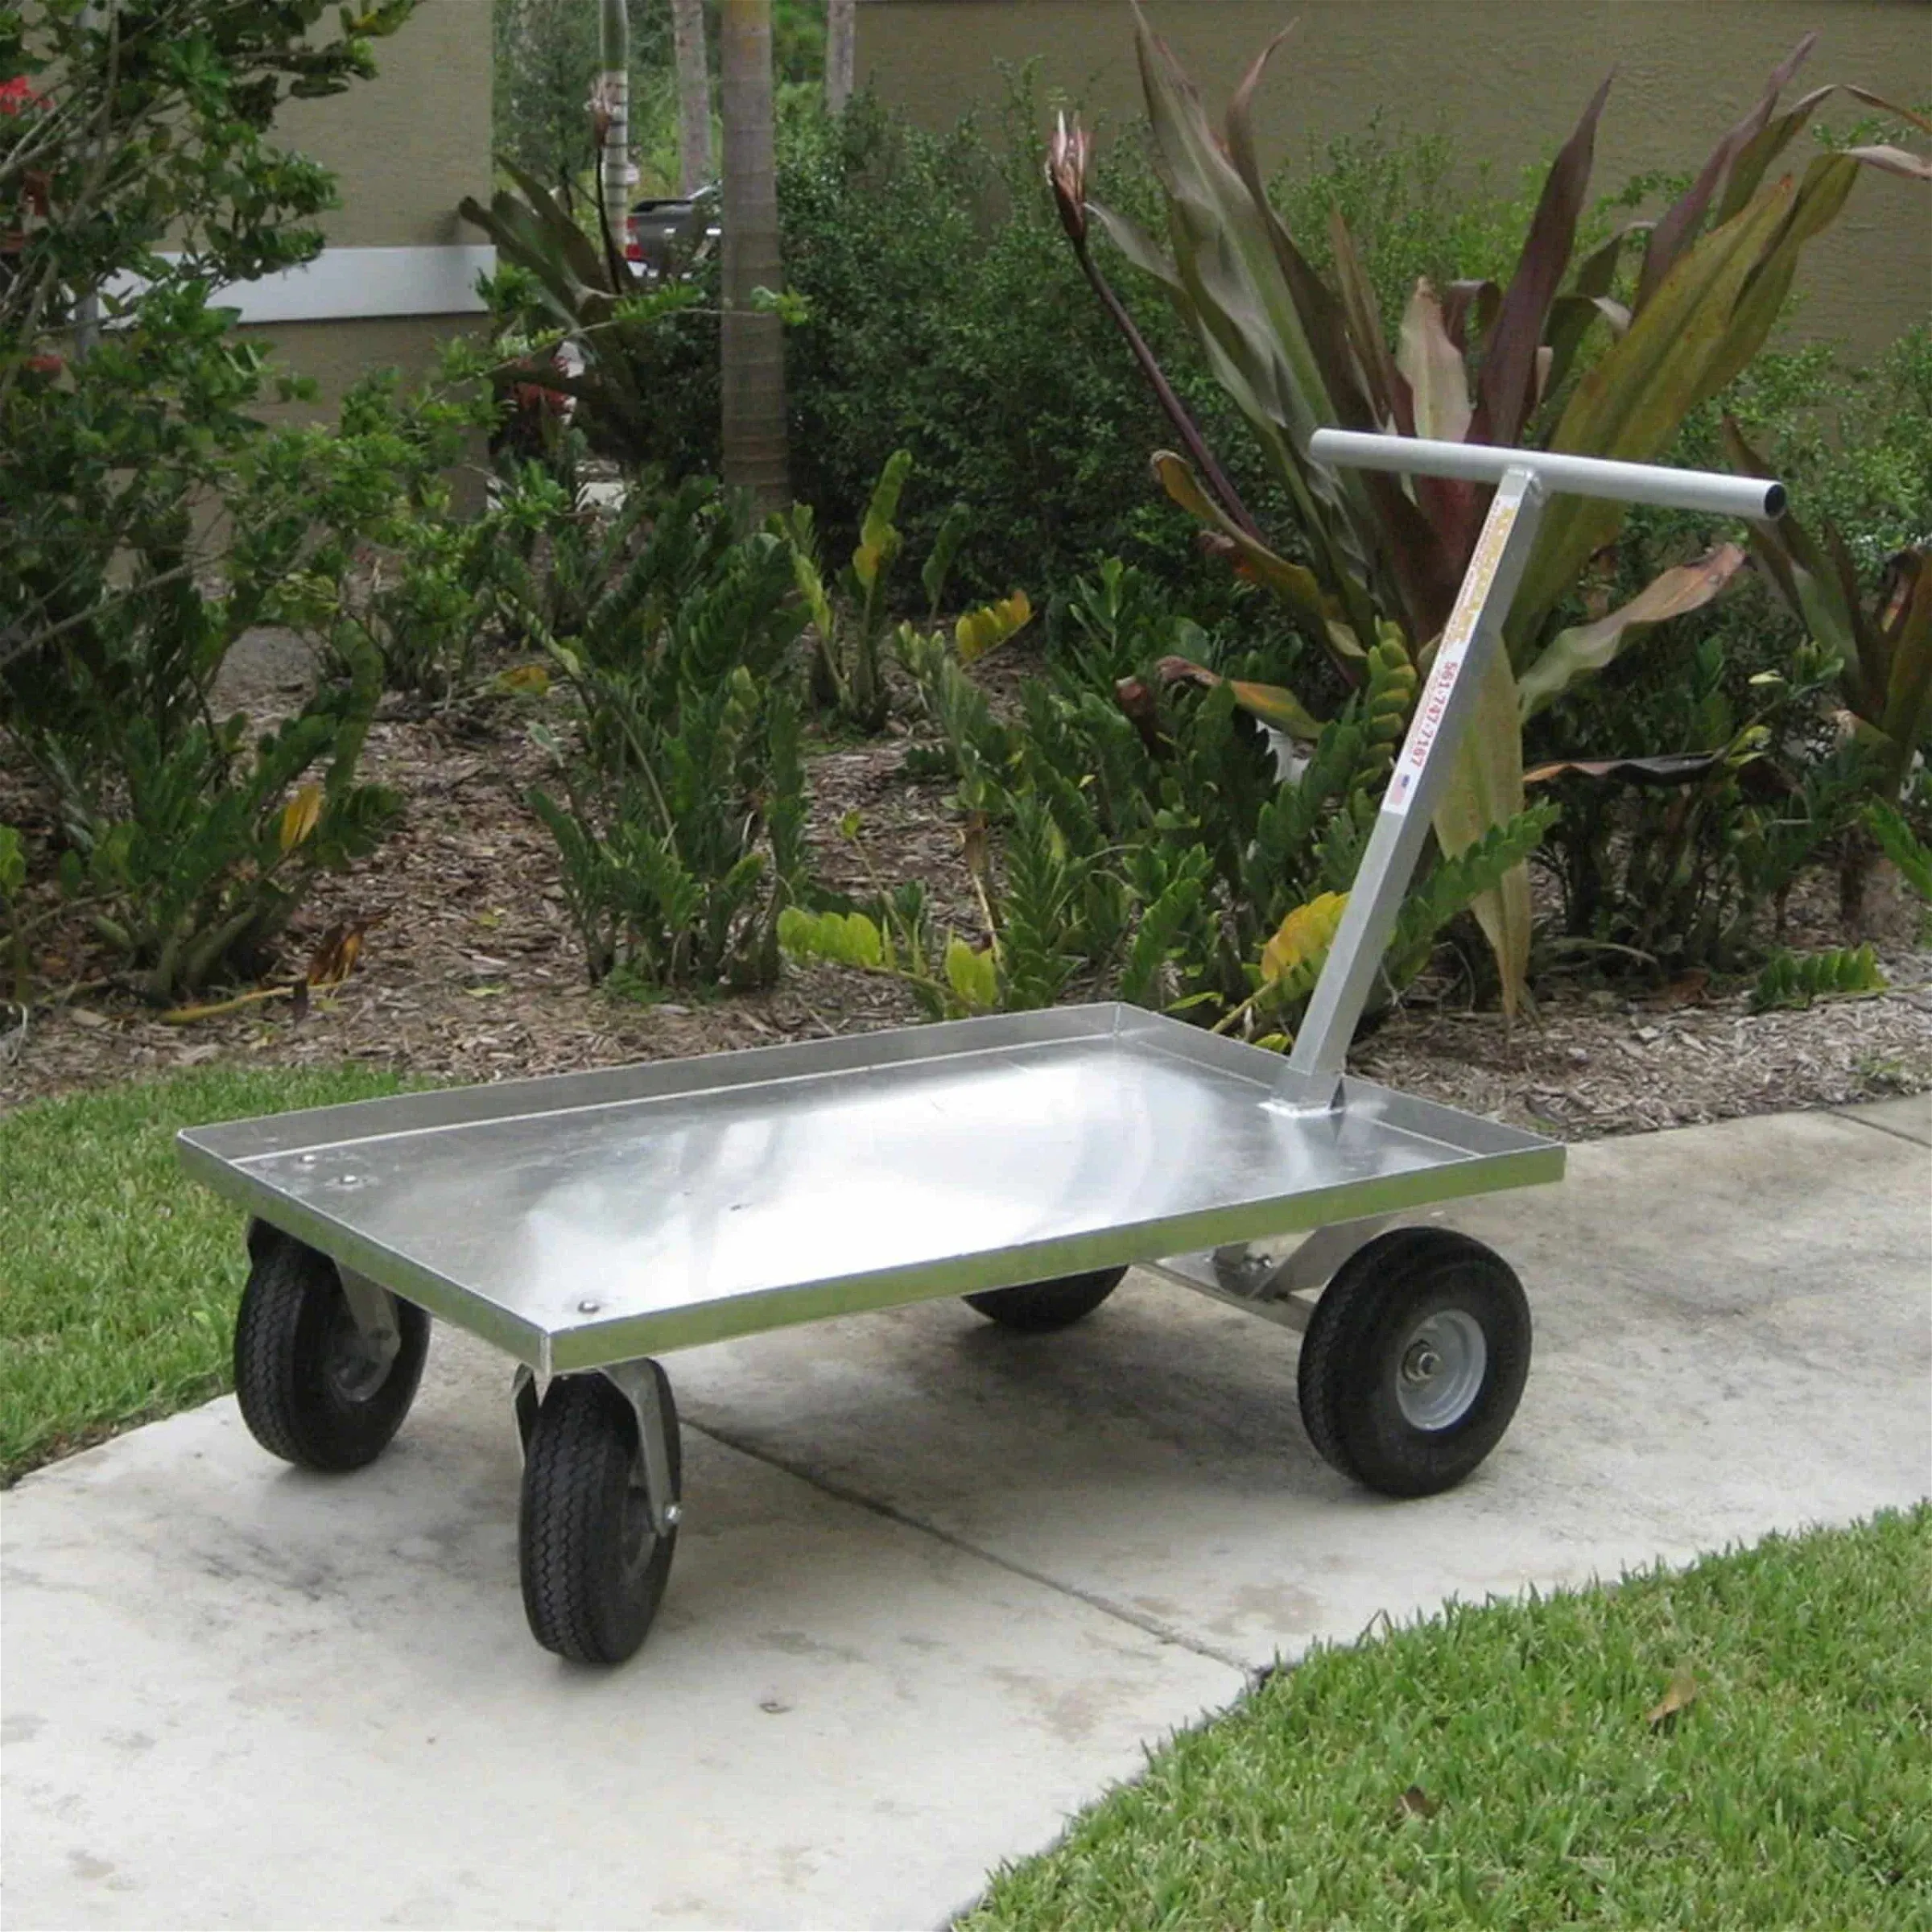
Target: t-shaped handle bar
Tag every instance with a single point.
(1717, 496)
(1525, 479)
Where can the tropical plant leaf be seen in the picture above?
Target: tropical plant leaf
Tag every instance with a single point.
(842, 939)
(938, 567)
(1432, 366)
(985, 630)
(1584, 648)
(1907, 717)
(1902, 845)
(973, 976)
(1892, 161)
(879, 539)
(1754, 158)
(1295, 583)
(1631, 403)
(1453, 884)
(1273, 705)
(1793, 980)
(300, 817)
(1389, 399)
(1294, 955)
(1504, 390)
(1670, 769)
(1485, 790)
(1677, 229)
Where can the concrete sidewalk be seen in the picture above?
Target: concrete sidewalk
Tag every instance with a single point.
(938, 1584)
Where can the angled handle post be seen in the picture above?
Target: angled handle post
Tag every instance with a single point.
(1524, 480)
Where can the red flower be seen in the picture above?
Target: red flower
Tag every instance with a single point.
(16, 95)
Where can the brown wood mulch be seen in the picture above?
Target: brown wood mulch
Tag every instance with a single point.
(469, 971)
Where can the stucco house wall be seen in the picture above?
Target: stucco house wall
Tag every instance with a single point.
(1507, 78)
(400, 270)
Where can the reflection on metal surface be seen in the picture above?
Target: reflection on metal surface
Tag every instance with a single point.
(590, 1219)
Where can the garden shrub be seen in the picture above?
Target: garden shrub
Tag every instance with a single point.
(942, 316)
(681, 824)
(1152, 849)
(147, 519)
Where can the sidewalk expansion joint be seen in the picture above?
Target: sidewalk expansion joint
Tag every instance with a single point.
(1857, 1120)
(1148, 1626)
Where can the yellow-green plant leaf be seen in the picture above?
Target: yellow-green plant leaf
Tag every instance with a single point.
(879, 542)
(980, 631)
(1432, 366)
(972, 975)
(1292, 582)
(1485, 788)
(1585, 648)
(811, 588)
(843, 938)
(300, 815)
(1294, 955)
(528, 680)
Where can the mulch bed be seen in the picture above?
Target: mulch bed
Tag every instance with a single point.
(469, 971)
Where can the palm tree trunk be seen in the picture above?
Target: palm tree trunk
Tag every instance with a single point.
(694, 95)
(613, 105)
(841, 36)
(753, 348)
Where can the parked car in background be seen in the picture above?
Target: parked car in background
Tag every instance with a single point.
(669, 237)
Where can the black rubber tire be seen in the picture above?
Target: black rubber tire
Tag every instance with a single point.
(1352, 1356)
(295, 1338)
(1034, 1307)
(593, 1569)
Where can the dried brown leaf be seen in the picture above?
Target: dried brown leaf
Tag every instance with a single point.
(1679, 1695)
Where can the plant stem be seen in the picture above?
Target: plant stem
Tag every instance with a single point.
(1202, 457)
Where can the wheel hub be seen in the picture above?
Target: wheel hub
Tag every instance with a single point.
(1441, 1372)
(356, 1369)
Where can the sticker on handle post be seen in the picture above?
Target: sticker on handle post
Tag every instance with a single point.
(1459, 633)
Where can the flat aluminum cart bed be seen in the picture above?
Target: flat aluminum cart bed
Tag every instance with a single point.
(586, 1224)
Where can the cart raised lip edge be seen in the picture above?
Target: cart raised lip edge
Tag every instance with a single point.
(1479, 1156)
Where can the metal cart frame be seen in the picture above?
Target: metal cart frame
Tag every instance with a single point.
(587, 1222)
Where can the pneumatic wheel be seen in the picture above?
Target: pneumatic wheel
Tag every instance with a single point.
(1036, 1307)
(594, 1568)
(313, 1388)
(1414, 1359)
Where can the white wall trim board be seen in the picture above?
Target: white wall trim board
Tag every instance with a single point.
(362, 285)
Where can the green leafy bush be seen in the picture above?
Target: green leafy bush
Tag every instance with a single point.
(847, 644)
(1520, 364)
(147, 518)
(681, 823)
(1682, 873)
(944, 317)
(1671, 858)
(1154, 845)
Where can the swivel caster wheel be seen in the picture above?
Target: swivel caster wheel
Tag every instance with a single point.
(1037, 1307)
(1414, 1359)
(325, 1369)
(595, 1556)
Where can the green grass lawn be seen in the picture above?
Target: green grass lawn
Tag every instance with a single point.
(119, 1275)
(1500, 1766)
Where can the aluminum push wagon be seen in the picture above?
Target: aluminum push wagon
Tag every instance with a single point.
(588, 1222)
